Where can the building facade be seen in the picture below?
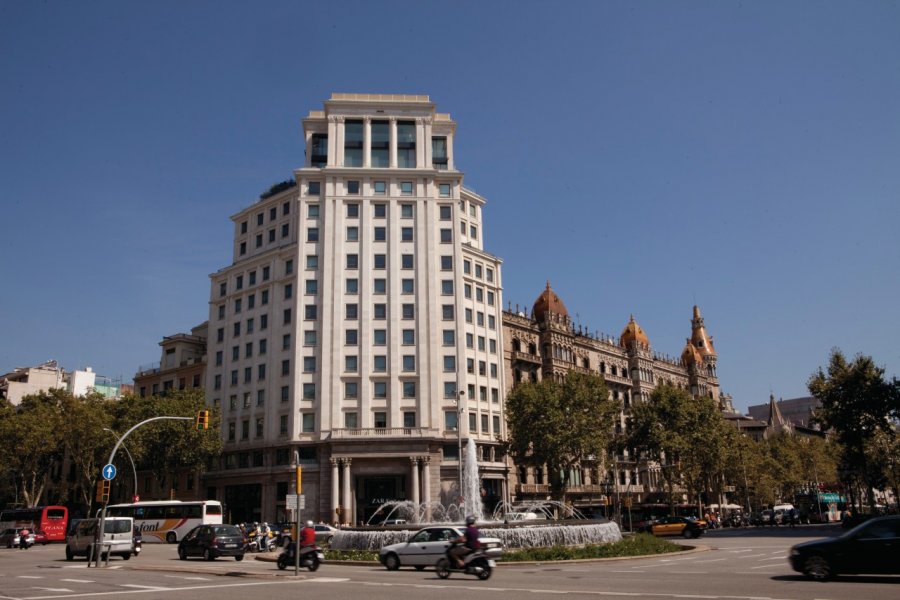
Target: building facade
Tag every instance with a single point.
(182, 364)
(546, 343)
(359, 325)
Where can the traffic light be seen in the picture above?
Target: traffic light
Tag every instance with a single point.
(202, 421)
(103, 490)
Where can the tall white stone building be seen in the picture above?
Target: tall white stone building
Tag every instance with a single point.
(359, 319)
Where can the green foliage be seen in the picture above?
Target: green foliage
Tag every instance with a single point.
(686, 434)
(560, 424)
(277, 188)
(357, 555)
(858, 404)
(641, 544)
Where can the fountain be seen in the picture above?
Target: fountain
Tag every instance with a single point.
(541, 532)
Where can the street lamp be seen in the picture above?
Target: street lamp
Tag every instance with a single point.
(133, 469)
(460, 399)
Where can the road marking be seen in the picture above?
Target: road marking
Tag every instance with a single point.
(79, 580)
(159, 590)
(54, 589)
(155, 588)
(188, 578)
(328, 579)
(30, 576)
(712, 560)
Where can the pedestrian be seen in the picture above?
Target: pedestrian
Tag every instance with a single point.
(23, 539)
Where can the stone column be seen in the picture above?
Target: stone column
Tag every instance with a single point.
(414, 478)
(347, 501)
(427, 135)
(339, 142)
(450, 163)
(367, 141)
(392, 128)
(308, 148)
(426, 486)
(335, 489)
(420, 143)
(332, 141)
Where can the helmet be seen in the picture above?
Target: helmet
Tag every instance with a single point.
(470, 520)
(309, 523)
(265, 524)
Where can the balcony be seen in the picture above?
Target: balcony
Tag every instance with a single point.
(532, 488)
(382, 433)
(525, 357)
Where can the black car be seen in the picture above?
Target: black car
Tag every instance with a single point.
(212, 541)
(871, 548)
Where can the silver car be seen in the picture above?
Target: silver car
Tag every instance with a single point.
(426, 546)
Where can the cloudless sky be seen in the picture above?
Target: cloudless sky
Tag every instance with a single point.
(644, 157)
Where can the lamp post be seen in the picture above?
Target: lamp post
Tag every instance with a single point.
(130, 458)
(460, 400)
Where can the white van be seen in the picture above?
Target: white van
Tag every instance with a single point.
(118, 537)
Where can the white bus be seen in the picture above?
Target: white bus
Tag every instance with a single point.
(168, 520)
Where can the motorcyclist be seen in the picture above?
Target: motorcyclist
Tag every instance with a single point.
(263, 537)
(466, 543)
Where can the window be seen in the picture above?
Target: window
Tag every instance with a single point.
(251, 301)
(447, 287)
(286, 209)
(492, 346)
(223, 288)
(444, 190)
(353, 207)
(236, 329)
(351, 420)
(449, 366)
(380, 147)
(351, 337)
(245, 429)
(409, 362)
(312, 211)
(481, 342)
(406, 144)
(380, 210)
(380, 234)
(380, 420)
(473, 422)
(439, 158)
(353, 189)
(409, 337)
(219, 358)
(406, 261)
(310, 312)
(451, 422)
(264, 297)
(309, 364)
(265, 274)
(259, 428)
(447, 312)
(489, 274)
(407, 286)
(445, 212)
(248, 376)
(243, 248)
(473, 232)
(492, 322)
(479, 294)
(406, 188)
(379, 312)
(495, 396)
(490, 298)
(263, 345)
(379, 363)
(353, 234)
(408, 311)
(380, 261)
(285, 393)
(409, 389)
(351, 312)
(235, 352)
(351, 390)
(446, 263)
(289, 289)
(352, 286)
(379, 390)
(379, 337)
(221, 312)
(239, 282)
(353, 143)
(309, 338)
(353, 261)
(220, 334)
(482, 368)
(282, 425)
(243, 226)
(309, 391)
(286, 367)
(237, 305)
(446, 236)
(309, 422)
(312, 262)
(287, 315)
(286, 341)
(379, 286)
(484, 424)
(479, 318)
(314, 188)
(406, 211)
(318, 150)
(312, 234)
(494, 370)
(259, 240)
(468, 315)
(449, 337)
(248, 350)
(470, 340)
(409, 419)
(406, 234)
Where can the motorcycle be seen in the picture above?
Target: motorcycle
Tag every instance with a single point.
(310, 557)
(474, 563)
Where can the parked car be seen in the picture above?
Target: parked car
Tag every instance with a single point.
(426, 546)
(10, 537)
(324, 533)
(40, 537)
(117, 538)
(672, 525)
(869, 548)
(212, 541)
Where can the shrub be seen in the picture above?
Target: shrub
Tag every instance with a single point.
(641, 544)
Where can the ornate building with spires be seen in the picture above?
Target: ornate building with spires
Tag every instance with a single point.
(547, 343)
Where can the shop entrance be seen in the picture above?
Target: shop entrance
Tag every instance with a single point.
(373, 491)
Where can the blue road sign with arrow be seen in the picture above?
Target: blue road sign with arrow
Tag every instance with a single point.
(109, 472)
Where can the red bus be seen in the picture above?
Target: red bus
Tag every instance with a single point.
(52, 520)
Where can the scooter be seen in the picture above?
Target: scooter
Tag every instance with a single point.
(474, 563)
(310, 557)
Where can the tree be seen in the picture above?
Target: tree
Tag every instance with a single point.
(686, 435)
(561, 424)
(857, 403)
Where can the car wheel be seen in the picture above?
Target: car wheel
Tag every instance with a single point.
(239, 557)
(171, 538)
(817, 568)
(687, 533)
(327, 541)
(182, 554)
(126, 556)
(69, 554)
(207, 555)
(392, 562)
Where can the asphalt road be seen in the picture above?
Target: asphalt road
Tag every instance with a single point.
(743, 564)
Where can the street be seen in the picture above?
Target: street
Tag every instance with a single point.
(735, 564)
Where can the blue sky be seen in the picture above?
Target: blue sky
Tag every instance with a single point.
(642, 156)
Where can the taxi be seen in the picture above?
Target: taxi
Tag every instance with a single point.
(683, 526)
